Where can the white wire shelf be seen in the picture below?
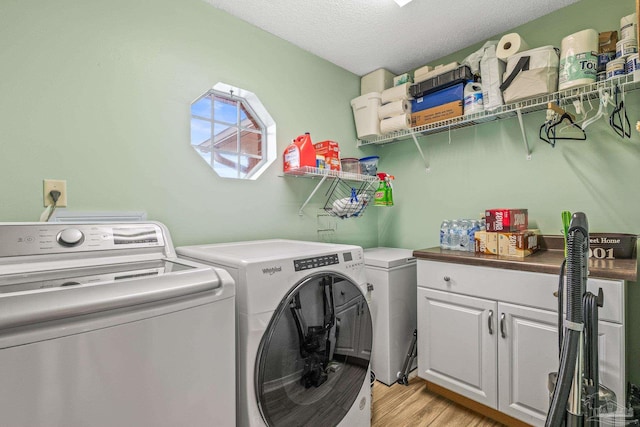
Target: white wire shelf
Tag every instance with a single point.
(625, 82)
(309, 172)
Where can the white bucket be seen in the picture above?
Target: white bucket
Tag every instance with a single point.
(615, 67)
(633, 63)
(626, 47)
(628, 27)
(365, 114)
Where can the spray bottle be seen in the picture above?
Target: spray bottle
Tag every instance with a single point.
(384, 193)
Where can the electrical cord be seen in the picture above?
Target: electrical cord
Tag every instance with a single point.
(48, 212)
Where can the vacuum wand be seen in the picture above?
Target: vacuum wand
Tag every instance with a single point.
(566, 403)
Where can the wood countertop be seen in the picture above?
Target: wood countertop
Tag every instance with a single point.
(544, 261)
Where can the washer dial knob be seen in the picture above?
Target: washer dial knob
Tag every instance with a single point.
(70, 237)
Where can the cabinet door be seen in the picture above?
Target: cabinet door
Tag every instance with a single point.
(527, 353)
(347, 328)
(457, 344)
(365, 337)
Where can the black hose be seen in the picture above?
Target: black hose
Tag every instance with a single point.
(591, 374)
(568, 359)
(577, 242)
(560, 305)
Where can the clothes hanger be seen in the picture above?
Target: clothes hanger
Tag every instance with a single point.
(616, 118)
(555, 116)
(605, 99)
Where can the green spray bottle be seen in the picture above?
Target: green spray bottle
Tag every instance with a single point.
(384, 194)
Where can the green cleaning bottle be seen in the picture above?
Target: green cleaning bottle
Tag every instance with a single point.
(380, 197)
(388, 180)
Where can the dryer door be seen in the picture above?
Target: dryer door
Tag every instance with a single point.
(314, 356)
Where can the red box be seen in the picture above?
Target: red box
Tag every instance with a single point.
(506, 219)
(331, 152)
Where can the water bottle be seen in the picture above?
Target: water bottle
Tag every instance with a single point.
(464, 235)
(454, 235)
(444, 234)
(475, 226)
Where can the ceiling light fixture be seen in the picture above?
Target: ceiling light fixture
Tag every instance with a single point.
(402, 2)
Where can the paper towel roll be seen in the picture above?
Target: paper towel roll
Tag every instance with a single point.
(396, 93)
(394, 108)
(509, 45)
(395, 123)
(578, 59)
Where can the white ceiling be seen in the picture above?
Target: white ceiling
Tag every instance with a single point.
(364, 35)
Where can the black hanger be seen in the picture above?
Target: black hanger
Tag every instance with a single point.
(616, 118)
(548, 129)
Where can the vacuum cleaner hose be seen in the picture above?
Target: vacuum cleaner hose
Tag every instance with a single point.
(576, 283)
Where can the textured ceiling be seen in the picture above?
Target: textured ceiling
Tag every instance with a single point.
(364, 35)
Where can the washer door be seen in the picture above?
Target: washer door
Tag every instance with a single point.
(314, 356)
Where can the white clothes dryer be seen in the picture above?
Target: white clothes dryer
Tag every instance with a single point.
(304, 335)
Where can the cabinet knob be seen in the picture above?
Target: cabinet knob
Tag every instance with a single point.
(447, 278)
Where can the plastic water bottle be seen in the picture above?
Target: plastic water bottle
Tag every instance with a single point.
(464, 235)
(444, 234)
(475, 226)
(454, 235)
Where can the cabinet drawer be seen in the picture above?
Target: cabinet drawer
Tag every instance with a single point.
(517, 287)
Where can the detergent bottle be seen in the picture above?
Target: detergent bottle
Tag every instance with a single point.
(299, 153)
(387, 180)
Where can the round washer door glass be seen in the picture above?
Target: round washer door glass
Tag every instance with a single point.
(314, 356)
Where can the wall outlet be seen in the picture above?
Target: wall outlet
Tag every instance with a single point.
(55, 184)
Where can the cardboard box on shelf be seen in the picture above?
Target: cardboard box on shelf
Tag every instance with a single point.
(435, 114)
(480, 242)
(519, 243)
(443, 96)
(492, 243)
(504, 220)
(331, 152)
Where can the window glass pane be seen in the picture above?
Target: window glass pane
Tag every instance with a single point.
(225, 164)
(247, 164)
(202, 107)
(200, 131)
(246, 119)
(251, 143)
(225, 110)
(226, 138)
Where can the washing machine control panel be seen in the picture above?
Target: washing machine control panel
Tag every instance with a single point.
(315, 262)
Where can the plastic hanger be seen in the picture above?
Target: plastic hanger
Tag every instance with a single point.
(605, 99)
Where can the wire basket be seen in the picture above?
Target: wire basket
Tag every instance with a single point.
(345, 200)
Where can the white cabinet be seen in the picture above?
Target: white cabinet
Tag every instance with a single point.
(457, 350)
(491, 335)
(353, 329)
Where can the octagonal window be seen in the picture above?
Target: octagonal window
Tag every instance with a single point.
(233, 132)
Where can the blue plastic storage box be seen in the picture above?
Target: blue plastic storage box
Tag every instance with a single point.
(443, 96)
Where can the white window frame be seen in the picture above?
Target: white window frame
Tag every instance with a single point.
(257, 110)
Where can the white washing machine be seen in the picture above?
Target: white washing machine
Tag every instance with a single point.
(304, 333)
(102, 325)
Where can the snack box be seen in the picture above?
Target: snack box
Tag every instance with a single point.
(491, 246)
(480, 242)
(518, 244)
(504, 220)
(331, 152)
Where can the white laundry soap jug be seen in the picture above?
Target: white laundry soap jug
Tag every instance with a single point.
(473, 100)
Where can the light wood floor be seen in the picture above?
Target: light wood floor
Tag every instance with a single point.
(414, 405)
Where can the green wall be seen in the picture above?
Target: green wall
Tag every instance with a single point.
(98, 93)
(485, 166)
